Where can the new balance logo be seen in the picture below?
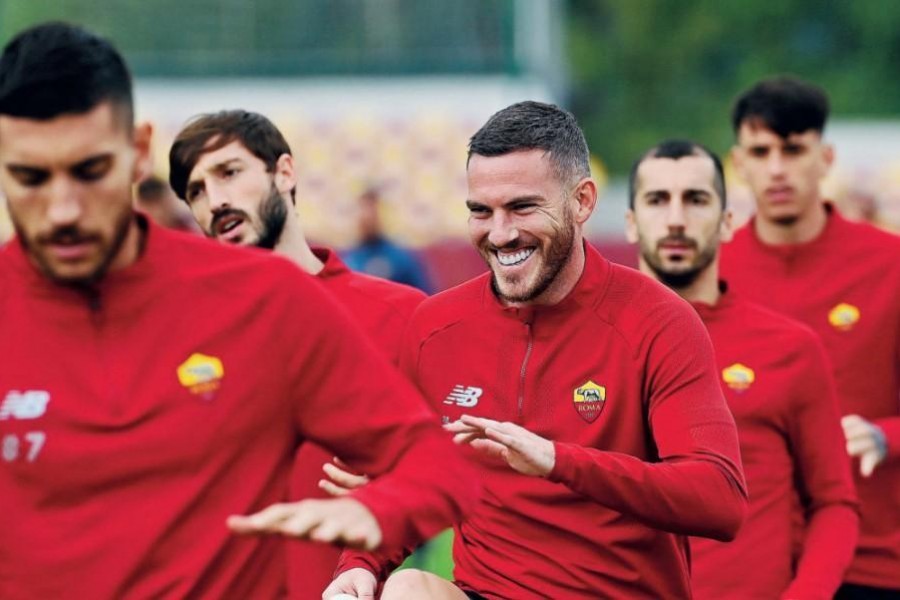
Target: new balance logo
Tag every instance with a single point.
(466, 397)
(24, 405)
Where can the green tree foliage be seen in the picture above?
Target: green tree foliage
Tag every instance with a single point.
(645, 70)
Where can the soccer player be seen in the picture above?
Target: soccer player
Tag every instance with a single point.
(154, 385)
(799, 257)
(236, 171)
(776, 379)
(585, 392)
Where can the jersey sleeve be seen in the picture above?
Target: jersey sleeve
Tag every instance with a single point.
(825, 478)
(347, 398)
(891, 425)
(697, 485)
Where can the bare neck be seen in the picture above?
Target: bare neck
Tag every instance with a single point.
(805, 229)
(294, 246)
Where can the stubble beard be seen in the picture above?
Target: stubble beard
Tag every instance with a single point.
(556, 258)
(272, 214)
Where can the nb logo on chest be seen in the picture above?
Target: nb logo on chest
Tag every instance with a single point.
(465, 396)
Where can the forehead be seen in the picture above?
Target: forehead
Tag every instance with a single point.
(62, 140)
(521, 173)
(754, 134)
(232, 151)
(675, 175)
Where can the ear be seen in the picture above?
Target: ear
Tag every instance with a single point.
(827, 156)
(285, 176)
(631, 230)
(585, 196)
(143, 162)
(726, 227)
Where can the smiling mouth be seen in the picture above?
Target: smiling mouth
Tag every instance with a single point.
(514, 258)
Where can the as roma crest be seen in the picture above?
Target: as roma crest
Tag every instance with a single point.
(589, 400)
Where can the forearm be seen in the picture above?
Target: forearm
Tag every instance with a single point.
(828, 549)
(690, 496)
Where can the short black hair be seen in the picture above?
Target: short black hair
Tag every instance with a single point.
(535, 125)
(676, 149)
(253, 130)
(784, 104)
(56, 69)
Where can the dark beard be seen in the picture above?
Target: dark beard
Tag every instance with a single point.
(273, 213)
(680, 279)
(558, 254)
(123, 223)
(677, 281)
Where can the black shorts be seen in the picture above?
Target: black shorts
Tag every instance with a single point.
(474, 596)
(849, 591)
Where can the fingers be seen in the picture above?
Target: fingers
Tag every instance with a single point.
(490, 448)
(331, 489)
(858, 446)
(868, 462)
(268, 520)
(343, 477)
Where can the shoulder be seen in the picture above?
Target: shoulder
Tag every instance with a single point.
(228, 270)
(398, 297)
(779, 330)
(450, 306)
(634, 298)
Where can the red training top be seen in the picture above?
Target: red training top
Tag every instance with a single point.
(845, 285)
(382, 308)
(136, 417)
(779, 386)
(621, 376)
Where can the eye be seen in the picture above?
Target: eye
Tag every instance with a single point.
(655, 199)
(93, 169)
(524, 207)
(229, 172)
(793, 149)
(758, 151)
(698, 199)
(29, 177)
(193, 194)
(479, 212)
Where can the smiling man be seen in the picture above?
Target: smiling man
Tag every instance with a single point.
(800, 257)
(236, 172)
(585, 393)
(776, 379)
(146, 399)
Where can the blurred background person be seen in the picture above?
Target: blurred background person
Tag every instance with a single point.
(157, 200)
(377, 255)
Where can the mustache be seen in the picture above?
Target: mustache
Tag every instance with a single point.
(219, 216)
(679, 239)
(67, 235)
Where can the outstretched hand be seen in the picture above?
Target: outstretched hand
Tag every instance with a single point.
(524, 451)
(341, 521)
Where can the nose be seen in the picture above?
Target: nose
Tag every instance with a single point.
(65, 206)
(675, 215)
(775, 163)
(218, 197)
(503, 231)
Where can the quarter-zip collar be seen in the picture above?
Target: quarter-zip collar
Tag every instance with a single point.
(793, 252)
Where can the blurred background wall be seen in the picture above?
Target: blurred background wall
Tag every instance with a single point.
(385, 93)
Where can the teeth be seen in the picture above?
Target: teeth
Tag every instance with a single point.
(508, 260)
(230, 225)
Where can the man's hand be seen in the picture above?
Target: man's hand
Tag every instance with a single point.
(342, 521)
(864, 440)
(342, 480)
(355, 582)
(524, 451)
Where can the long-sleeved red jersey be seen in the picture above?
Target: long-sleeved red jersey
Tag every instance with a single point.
(778, 383)
(845, 285)
(621, 376)
(382, 308)
(136, 418)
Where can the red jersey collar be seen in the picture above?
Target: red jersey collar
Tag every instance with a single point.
(834, 222)
(588, 291)
(333, 266)
(709, 312)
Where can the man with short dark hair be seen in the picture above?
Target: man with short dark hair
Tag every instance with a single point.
(799, 257)
(776, 379)
(236, 172)
(154, 385)
(600, 440)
